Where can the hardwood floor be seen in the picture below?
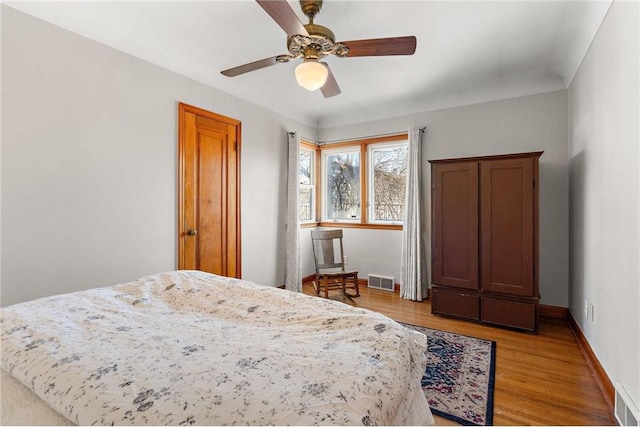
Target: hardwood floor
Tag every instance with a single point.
(541, 379)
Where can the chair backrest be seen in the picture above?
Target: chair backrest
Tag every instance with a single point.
(327, 249)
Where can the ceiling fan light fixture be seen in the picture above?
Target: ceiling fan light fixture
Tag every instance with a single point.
(311, 74)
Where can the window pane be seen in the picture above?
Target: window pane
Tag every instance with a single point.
(389, 181)
(305, 167)
(343, 185)
(305, 198)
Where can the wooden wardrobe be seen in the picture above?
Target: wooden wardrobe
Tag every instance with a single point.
(484, 239)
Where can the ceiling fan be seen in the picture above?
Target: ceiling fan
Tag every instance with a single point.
(313, 42)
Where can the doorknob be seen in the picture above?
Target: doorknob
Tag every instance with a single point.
(191, 232)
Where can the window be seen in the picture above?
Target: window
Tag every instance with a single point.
(341, 183)
(387, 181)
(307, 195)
(360, 183)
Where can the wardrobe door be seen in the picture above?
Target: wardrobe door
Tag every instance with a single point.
(455, 224)
(507, 226)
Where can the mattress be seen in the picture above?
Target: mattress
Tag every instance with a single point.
(193, 348)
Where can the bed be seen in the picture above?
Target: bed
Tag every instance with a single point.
(193, 348)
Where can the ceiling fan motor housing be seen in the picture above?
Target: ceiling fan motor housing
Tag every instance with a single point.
(319, 43)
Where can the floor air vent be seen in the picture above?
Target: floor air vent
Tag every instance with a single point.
(381, 282)
(626, 411)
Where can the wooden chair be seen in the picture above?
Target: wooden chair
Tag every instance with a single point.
(329, 258)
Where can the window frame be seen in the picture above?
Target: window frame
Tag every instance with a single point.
(371, 192)
(364, 221)
(325, 153)
(312, 148)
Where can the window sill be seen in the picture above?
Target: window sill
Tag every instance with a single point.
(361, 225)
(309, 224)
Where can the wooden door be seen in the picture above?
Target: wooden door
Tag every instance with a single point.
(455, 224)
(209, 192)
(507, 225)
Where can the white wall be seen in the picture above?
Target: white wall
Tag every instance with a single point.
(89, 165)
(605, 195)
(524, 124)
(368, 251)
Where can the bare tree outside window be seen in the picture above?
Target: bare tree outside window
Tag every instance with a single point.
(305, 167)
(343, 185)
(306, 196)
(389, 182)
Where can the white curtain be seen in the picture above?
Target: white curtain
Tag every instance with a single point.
(413, 280)
(292, 274)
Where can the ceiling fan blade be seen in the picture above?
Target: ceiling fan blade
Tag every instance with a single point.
(330, 88)
(281, 12)
(251, 66)
(382, 47)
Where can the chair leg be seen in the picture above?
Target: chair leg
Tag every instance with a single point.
(356, 285)
(316, 286)
(326, 287)
(348, 295)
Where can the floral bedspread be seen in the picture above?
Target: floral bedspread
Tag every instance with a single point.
(189, 347)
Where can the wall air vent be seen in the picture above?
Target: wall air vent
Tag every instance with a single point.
(626, 411)
(381, 282)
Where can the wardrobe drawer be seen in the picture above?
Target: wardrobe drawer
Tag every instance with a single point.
(514, 314)
(457, 304)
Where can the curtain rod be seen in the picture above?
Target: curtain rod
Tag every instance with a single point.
(332, 141)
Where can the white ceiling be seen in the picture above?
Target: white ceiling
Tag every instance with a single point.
(467, 51)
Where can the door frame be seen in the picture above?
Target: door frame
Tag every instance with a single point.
(181, 231)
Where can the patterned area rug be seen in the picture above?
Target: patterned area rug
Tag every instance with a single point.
(459, 378)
